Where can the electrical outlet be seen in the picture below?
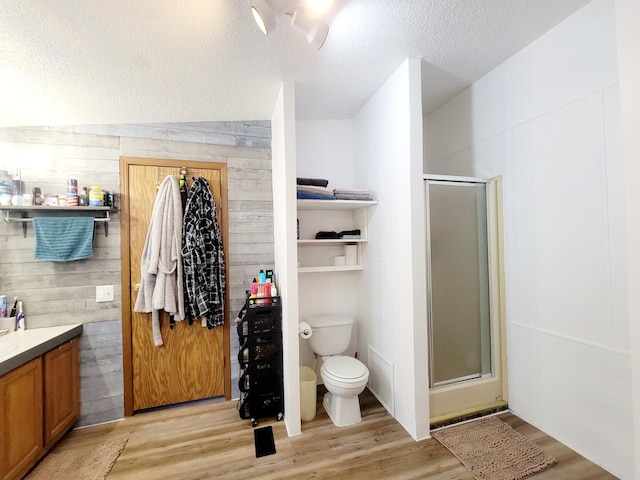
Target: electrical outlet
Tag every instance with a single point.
(104, 293)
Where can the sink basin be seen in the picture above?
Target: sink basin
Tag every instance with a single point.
(6, 348)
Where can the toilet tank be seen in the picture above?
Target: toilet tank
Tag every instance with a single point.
(331, 334)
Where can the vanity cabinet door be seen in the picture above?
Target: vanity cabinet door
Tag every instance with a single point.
(61, 391)
(20, 419)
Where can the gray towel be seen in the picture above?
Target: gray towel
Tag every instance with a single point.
(318, 182)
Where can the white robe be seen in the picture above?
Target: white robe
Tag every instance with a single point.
(161, 285)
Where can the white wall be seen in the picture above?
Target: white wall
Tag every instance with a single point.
(628, 19)
(390, 306)
(388, 160)
(324, 149)
(548, 120)
(283, 148)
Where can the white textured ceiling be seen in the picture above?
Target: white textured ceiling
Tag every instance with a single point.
(122, 61)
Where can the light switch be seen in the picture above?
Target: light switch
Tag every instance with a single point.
(104, 293)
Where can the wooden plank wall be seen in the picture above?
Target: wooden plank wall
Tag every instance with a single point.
(62, 293)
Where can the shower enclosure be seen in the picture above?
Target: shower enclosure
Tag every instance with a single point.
(465, 334)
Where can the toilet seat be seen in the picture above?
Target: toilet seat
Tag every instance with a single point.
(344, 370)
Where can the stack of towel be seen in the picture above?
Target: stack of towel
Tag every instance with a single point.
(316, 189)
(352, 194)
(313, 188)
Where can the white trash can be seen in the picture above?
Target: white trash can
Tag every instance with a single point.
(308, 387)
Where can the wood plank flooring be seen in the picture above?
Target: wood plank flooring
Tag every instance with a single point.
(209, 440)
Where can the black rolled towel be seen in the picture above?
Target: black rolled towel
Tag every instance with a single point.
(316, 182)
(326, 235)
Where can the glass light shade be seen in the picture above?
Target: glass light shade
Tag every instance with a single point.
(264, 16)
(265, 12)
(315, 30)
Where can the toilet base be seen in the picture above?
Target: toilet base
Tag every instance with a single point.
(342, 411)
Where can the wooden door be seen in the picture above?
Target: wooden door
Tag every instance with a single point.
(191, 364)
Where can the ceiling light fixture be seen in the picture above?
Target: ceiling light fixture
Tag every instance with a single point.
(315, 30)
(318, 7)
(266, 13)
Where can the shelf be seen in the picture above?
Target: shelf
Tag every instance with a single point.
(27, 212)
(45, 208)
(334, 204)
(331, 216)
(338, 268)
(329, 241)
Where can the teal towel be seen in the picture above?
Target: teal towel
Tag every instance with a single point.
(61, 239)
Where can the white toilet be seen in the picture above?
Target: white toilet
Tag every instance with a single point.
(344, 377)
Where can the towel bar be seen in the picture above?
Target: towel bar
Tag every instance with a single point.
(24, 220)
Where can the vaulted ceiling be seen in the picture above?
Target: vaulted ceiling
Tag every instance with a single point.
(120, 61)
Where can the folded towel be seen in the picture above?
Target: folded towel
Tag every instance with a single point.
(351, 196)
(353, 233)
(311, 189)
(327, 235)
(301, 195)
(318, 182)
(61, 239)
(352, 191)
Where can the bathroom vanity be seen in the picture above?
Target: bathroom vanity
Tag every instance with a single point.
(39, 394)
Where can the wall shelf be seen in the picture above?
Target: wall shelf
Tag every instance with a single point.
(335, 268)
(28, 212)
(330, 241)
(317, 255)
(334, 204)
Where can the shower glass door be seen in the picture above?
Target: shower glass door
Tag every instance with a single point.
(459, 316)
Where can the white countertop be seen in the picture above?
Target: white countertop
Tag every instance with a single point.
(19, 347)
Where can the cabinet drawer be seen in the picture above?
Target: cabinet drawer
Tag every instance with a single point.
(260, 405)
(259, 321)
(260, 376)
(259, 352)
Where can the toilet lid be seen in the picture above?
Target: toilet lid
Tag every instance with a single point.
(345, 367)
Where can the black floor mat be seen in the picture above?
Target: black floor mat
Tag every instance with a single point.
(263, 438)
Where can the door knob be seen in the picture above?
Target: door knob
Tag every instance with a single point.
(136, 287)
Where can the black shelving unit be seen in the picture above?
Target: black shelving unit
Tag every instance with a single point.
(260, 358)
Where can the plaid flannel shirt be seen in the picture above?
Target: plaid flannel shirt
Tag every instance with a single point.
(203, 257)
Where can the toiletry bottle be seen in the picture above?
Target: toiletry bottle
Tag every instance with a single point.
(267, 288)
(37, 196)
(262, 277)
(20, 322)
(83, 197)
(254, 287)
(17, 183)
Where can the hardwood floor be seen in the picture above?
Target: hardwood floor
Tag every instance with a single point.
(209, 440)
